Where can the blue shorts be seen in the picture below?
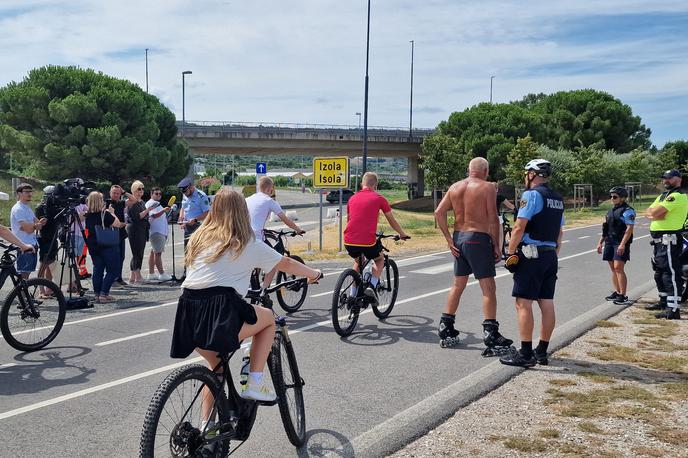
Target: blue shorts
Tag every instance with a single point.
(476, 255)
(536, 278)
(26, 262)
(609, 253)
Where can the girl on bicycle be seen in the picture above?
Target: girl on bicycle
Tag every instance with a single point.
(212, 316)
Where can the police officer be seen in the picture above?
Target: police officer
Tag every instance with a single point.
(668, 214)
(195, 207)
(617, 236)
(533, 258)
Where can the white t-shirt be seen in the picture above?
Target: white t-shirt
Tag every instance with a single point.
(157, 225)
(233, 273)
(259, 207)
(23, 213)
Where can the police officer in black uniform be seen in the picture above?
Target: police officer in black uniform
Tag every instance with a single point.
(533, 258)
(615, 243)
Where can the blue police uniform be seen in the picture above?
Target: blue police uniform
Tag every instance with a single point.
(194, 206)
(544, 209)
(613, 230)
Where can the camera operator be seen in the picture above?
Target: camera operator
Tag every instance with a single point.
(120, 205)
(47, 242)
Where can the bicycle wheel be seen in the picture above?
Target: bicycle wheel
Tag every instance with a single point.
(30, 320)
(289, 389)
(505, 243)
(344, 310)
(173, 422)
(387, 290)
(291, 298)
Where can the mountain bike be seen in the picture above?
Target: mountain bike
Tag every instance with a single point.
(173, 422)
(34, 310)
(292, 297)
(349, 296)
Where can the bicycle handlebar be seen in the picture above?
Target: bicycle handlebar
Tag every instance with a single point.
(9, 247)
(282, 232)
(396, 237)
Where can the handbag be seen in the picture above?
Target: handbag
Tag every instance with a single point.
(106, 236)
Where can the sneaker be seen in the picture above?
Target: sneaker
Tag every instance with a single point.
(152, 277)
(656, 306)
(670, 314)
(164, 277)
(257, 392)
(541, 358)
(517, 359)
(372, 295)
(622, 300)
(612, 296)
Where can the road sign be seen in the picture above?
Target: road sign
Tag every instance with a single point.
(331, 172)
(261, 168)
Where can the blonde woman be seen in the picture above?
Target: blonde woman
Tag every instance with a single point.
(105, 258)
(212, 315)
(137, 230)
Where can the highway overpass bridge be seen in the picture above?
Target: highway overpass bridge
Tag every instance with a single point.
(234, 138)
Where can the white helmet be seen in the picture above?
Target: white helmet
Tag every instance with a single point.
(541, 166)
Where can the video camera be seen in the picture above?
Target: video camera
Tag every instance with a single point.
(72, 191)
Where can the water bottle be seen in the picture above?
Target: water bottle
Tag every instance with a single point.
(245, 362)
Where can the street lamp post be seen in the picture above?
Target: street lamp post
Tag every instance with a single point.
(411, 102)
(365, 98)
(491, 78)
(356, 174)
(184, 73)
(146, 70)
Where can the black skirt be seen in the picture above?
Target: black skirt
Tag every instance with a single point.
(209, 319)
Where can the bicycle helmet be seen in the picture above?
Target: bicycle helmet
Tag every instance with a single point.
(542, 167)
(620, 190)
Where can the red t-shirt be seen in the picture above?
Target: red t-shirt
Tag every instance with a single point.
(363, 209)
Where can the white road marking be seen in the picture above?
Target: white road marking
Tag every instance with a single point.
(402, 276)
(434, 270)
(135, 336)
(8, 365)
(565, 241)
(418, 260)
(321, 294)
(584, 237)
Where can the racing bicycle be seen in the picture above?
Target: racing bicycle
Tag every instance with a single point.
(349, 296)
(34, 310)
(173, 425)
(291, 297)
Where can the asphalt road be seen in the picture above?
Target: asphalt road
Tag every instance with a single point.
(87, 393)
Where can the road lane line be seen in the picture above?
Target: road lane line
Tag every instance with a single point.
(135, 336)
(321, 294)
(434, 270)
(7, 365)
(131, 378)
(584, 237)
(565, 241)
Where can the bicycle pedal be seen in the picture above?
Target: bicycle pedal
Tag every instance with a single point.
(267, 403)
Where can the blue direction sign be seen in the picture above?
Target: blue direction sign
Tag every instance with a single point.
(261, 168)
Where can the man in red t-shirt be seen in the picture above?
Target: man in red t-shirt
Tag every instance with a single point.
(360, 234)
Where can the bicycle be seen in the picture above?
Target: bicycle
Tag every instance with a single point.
(346, 306)
(29, 319)
(506, 232)
(234, 415)
(290, 298)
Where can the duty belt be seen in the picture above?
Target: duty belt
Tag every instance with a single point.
(665, 239)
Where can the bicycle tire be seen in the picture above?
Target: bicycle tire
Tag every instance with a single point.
(341, 302)
(293, 297)
(292, 409)
(149, 432)
(390, 284)
(46, 314)
(506, 237)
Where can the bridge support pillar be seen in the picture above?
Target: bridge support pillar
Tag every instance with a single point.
(415, 177)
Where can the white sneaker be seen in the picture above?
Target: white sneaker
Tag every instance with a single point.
(258, 392)
(152, 277)
(164, 277)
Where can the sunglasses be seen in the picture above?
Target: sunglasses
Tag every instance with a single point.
(156, 193)
(139, 189)
(614, 197)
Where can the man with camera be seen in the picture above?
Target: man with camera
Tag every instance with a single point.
(47, 242)
(24, 225)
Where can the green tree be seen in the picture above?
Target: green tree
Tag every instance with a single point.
(680, 149)
(443, 160)
(525, 150)
(66, 121)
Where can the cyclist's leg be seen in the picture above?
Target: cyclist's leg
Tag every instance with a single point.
(208, 400)
(263, 334)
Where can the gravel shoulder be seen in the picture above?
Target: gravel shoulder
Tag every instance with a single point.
(620, 390)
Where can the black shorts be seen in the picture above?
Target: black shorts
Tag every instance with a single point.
(370, 252)
(536, 278)
(609, 253)
(45, 254)
(210, 319)
(476, 255)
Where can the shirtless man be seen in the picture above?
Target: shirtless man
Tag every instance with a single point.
(475, 246)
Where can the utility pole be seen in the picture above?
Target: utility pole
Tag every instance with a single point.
(365, 99)
(491, 78)
(146, 70)
(411, 104)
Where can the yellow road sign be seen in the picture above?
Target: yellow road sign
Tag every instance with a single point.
(331, 172)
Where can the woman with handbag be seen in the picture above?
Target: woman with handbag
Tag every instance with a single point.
(103, 245)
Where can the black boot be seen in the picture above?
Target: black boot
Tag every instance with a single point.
(517, 359)
(661, 305)
(670, 314)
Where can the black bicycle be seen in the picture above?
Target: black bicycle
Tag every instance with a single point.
(34, 310)
(175, 424)
(349, 292)
(292, 297)
(506, 231)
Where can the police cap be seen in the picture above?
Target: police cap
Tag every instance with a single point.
(671, 173)
(185, 183)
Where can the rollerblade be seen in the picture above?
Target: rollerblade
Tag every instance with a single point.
(497, 344)
(449, 336)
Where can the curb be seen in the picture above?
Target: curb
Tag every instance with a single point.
(414, 422)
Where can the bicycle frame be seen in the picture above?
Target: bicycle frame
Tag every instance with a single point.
(7, 268)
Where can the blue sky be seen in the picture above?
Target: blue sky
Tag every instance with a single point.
(303, 61)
